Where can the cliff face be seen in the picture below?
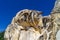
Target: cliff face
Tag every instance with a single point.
(31, 25)
(24, 26)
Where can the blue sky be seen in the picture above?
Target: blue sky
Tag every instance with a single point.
(9, 8)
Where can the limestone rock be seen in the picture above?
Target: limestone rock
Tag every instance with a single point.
(31, 25)
(56, 8)
(16, 33)
(56, 18)
(24, 26)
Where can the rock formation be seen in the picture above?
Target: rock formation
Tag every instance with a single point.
(31, 25)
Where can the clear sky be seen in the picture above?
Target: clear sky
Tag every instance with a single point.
(9, 8)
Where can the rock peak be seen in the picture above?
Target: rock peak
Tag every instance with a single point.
(56, 8)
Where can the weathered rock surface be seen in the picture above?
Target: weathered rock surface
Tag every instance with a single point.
(15, 33)
(31, 25)
(22, 29)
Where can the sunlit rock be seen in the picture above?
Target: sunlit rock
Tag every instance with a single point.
(31, 25)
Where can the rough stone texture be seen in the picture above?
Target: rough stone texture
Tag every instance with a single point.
(31, 25)
(25, 29)
(15, 33)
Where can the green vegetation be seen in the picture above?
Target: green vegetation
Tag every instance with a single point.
(1, 35)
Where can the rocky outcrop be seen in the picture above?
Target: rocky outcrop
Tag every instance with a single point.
(55, 14)
(28, 25)
(31, 25)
